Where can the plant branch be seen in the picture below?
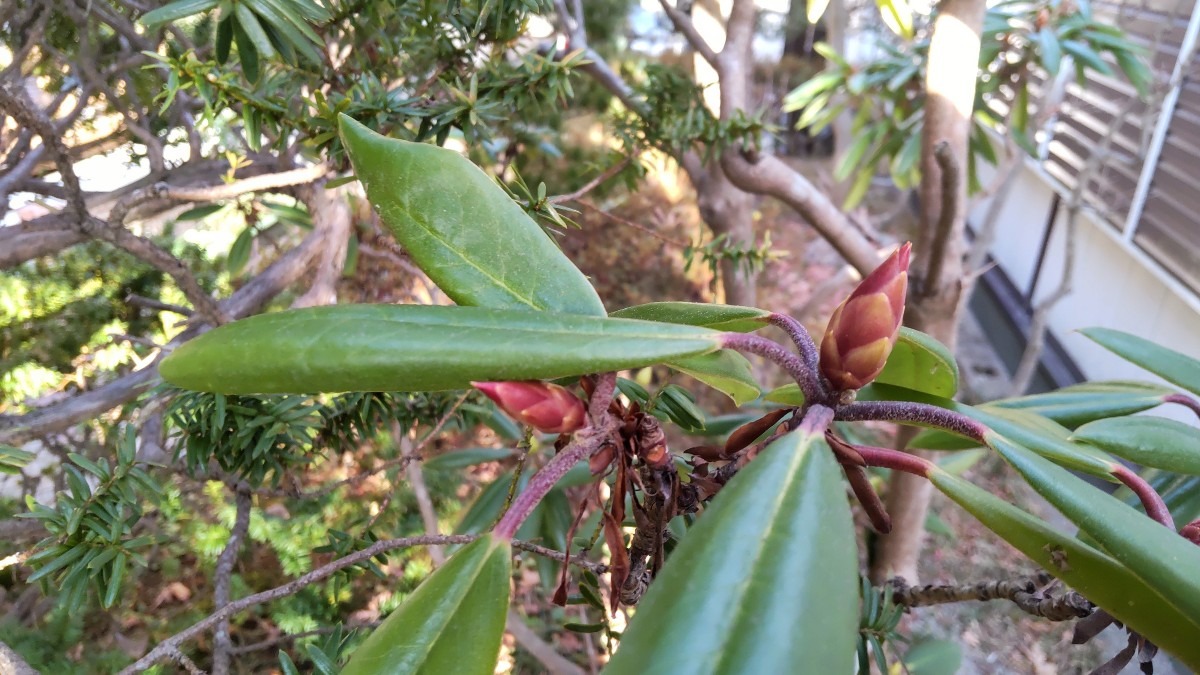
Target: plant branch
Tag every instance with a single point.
(919, 414)
(800, 337)
(1024, 593)
(1151, 500)
(223, 644)
(164, 649)
(684, 25)
(1185, 401)
(592, 184)
(951, 175)
(805, 376)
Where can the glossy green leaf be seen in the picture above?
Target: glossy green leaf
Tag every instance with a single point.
(460, 459)
(1178, 369)
(418, 348)
(1083, 403)
(452, 623)
(733, 318)
(1093, 573)
(1157, 555)
(725, 370)
(462, 229)
(788, 394)
(247, 54)
(921, 363)
(766, 580)
(1149, 441)
(176, 10)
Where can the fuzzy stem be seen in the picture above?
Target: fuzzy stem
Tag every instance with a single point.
(922, 414)
(816, 420)
(800, 336)
(1151, 501)
(804, 376)
(580, 448)
(895, 460)
(1185, 401)
(586, 442)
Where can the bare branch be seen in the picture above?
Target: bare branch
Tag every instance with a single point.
(151, 303)
(951, 175)
(333, 212)
(544, 652)
(164, 649)
(222, 577)
(683, 23)
(11, 662)
(592, 184)
(1026, 594)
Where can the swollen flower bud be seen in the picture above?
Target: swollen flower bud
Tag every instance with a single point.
(863, 329)
(546, 407)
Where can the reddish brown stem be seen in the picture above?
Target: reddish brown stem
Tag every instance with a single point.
(895, 460)
(860, 483)
(1185, 401)
(1151, 501)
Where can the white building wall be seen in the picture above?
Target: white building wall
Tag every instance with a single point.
(1115, 285)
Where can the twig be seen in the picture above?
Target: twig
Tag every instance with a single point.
(151, 303)
(801, 372)
(222, 577)
(544, 652)
(683, 23)
(164, 649)
(273, 642)
(920, 414)
(629, 223)
(951, 175)
(1185, 401)
(184, 662)
(416, 480)
(800, 337)
(592, 184)
(1024, 593)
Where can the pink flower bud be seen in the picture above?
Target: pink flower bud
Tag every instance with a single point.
(546, 407)
(1191, 532)
(863, 329)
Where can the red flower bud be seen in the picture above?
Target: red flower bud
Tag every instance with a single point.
(1191, 532)
(863, 329)
(546, 407)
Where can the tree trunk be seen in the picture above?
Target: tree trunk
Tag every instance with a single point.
(727, 210)
(937, 279)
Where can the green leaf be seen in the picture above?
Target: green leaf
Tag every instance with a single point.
(897, 16)
(486, 508)
(957, 463)
(802, 96)
(1170, 365)
(1086, 55)
(452, 623)
(199, 213)
(460, 459)
(224, 40)
(1094, 574)
(733, 318)
(253, 30)
(418, 348)
(1050, 50)
(725, 370)
(1149, 441)
(921, 363)
(789, 395)
(1136, 71)
(1019, 115)
(1165, 561)
(1083, 403)
(776, 557)
(462, 229)
(239, 252)
(246, 53)
(176, 10)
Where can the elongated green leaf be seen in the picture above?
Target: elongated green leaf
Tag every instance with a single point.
(1150, 441)
(1178, 369)
(1051, 50)
(1157, 555)
(461, 228)
(1093, 573)
(418, 348)
(452, 623)
(775, 557)
(176, 10)
(733, 318)
(726, 371)
(921, 363)
(816, 9)
(802, 96)
(254, 30)
(1083, 403)
(897, 15)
